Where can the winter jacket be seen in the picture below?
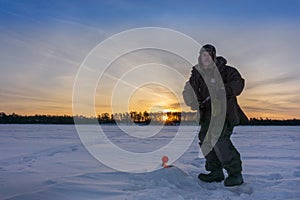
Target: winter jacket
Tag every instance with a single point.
(196, 94)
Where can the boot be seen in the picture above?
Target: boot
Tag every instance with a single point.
(234, 170)
(234, 180)
(215, 176)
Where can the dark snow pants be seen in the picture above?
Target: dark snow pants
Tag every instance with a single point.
(224, 154)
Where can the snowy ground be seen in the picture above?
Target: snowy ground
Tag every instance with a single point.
(49, 162)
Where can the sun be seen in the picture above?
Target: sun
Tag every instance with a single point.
(168, 110)
(164, 118)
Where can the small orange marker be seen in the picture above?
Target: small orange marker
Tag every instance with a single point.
(164, 160)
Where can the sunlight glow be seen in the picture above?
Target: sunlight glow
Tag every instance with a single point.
(164, 118)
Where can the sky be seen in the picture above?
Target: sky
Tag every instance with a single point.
(44, 43)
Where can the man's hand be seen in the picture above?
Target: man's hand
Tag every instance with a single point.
(195, 105)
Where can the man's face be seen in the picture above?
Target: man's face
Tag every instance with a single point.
(206, 59)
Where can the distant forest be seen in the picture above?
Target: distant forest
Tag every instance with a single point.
(139, 118)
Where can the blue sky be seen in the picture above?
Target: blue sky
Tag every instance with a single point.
(42, 44)
(148, 13)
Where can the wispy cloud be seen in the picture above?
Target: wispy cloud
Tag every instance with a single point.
(281, 79)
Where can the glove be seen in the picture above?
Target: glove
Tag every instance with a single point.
(194, 105)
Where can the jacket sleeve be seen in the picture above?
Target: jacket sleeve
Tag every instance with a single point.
(189, 96)
(235, 83)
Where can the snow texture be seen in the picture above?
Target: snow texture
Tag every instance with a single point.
(49, 162)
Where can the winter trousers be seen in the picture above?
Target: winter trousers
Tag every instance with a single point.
(224, 154)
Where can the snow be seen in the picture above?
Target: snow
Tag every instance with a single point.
(49, 162)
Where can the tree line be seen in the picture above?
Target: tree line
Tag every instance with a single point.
(134, 117)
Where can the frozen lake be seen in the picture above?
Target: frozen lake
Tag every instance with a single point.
(49, 162)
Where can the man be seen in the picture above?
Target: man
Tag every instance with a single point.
(223, 154)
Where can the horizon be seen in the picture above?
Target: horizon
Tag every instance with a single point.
(156, 112)
(43, 45)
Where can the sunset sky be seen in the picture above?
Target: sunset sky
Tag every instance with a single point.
(43, 44)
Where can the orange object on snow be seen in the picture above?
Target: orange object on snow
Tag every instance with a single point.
(164, 160)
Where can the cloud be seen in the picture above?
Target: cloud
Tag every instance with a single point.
(281, 79)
